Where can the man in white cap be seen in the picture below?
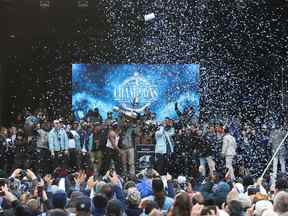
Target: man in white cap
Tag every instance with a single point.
(58, 144)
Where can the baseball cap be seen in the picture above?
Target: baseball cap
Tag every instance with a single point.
(83, 204)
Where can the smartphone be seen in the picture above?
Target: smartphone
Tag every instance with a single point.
(39, 191)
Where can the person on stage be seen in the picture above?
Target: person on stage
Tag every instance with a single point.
(276, 137)
(204, 152)
(74, 146)
(229, 151)
(42, 148)
(58, 144)
(164, 146)
(112, 151)
(127, 148)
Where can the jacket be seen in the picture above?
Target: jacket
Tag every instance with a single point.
(229, 145)
(164, 140)
(42, 139)
(57, 140)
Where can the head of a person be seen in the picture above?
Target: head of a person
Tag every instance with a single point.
(114, 125)
(114, 208)
(209, 210)
(13, 130)
(235, 208)
(217, 176)
(20, 135)
(59, 199)
(281, 202)
(96, 110)
(45, 126)
(197, 198)
(182, 204)
(262, 206)
(281, 183)
(158, 191)
(83, 206)
(157, 185)
(100, 201)
(57, 212)
(56, 124)
(73, 198)
(226, 130)
(3, 131)
(33, 204)
(149, 205)
(75, 125)
(133, 197)
(107, 191)
(109, 115)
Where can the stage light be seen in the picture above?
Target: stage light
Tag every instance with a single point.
(149, 17)
(45, 3)
(83, 3)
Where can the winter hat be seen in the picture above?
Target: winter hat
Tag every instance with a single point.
(261, 206)
(59, 199)
(129, 184)
(244, 200)
(83, 204)
(73, 198)
(133, 196)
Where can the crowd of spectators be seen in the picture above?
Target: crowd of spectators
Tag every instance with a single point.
(37, 179)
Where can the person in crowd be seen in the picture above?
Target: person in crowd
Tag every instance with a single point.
(229, 151)
(163, 201)
(99, 203)
(58, 144)
(133, 199)
(182, 205)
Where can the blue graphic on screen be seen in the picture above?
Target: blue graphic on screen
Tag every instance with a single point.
(134, 87)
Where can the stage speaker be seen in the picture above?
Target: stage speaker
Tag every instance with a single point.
(144, 156)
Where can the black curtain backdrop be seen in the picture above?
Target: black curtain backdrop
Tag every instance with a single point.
(2, 92)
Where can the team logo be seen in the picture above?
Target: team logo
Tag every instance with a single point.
(135, 93)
